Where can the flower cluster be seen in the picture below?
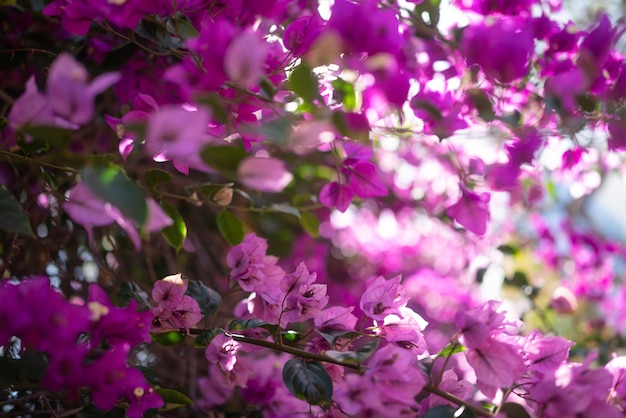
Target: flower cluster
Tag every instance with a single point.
(85, 345)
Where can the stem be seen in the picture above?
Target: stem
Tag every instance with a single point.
(41, 163)
(458, 401)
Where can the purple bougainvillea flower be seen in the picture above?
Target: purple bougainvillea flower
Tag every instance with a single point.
(364, 180)
(383, 297)
(335, 195)
(301, 33)
(88, 210)
(264, 174)
(502, 47)
(245, 59)
(69, 90)
(174, 309)
(32, 108)
(174, 132)
(471, 211)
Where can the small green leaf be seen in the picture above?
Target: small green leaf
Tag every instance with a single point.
(203, 340)
(173, 399)
(514, 410)
(12, 216)
(130, 290)
(310, 224)
(508, 249)
(176, 233)
(355, 357)
(230, 226)
(48, 134)
(333, 336)
(308, 381)
(111, 185)
(447, 411)
(344, 93)
(224, 159)
(450, 349)
(179, 25)
(208, 299)
(241, 324)
(304, 83)
(285, 208)
(480, 100)
(154, 177)
(167, 338)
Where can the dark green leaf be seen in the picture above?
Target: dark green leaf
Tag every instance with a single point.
(167, 338)
(154, 177)
(285, 208)
(241, 324)
(519, 279)
(308, 381)
(173, 399)
(230, 227)
(304, 83)
(514, 410)
(33, 365)
(156, 33)
(278, 130)
(355, 357)
(179, 25)
(176, 233)
(344, 93)
(203, 340)
(12, 216)
(450, 349)
(267, 88)
(129, 290)
(310, 224)
(111, 185)
(447, 411)
(333, 336)
(224, 159)
(508, 249)
(587, 102)
(118, 56)
(208, 299)
(512, 119)
(48, 134)
(480, 100)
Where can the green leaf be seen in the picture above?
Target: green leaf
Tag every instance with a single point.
(154, 177)
(514, 410)
(304, 83)
(333, 336)
(308, 381)
(167, 338)
(111, 185)
(355, 357)
(447, 411)
(12, 216)
(241, 324)
(230, 227)
(173, 399)
(130, 290)
(208, 299)
(176, 233)
(310, 224)
(344, 93)
(480, 100)
(203, 340)
(508, 249)
(33, 365)
(179, 25)
(450, 349)
(224, 159)
(48, 134)
(285, 208)
(338, 119)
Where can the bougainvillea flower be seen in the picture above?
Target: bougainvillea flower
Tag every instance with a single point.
(174, 309)
(471, 211)
(264, 174)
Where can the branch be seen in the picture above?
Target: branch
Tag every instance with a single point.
(458, 401)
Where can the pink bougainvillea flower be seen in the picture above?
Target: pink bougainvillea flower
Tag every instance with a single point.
(364, 180)
(501, 46)
(471, 211)
(176, 133)
(174, 309)
(32, 108)
(264, 174)
(245, 57)
(335, 195)
(383, 297)
(88, 210)
(69, 91)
